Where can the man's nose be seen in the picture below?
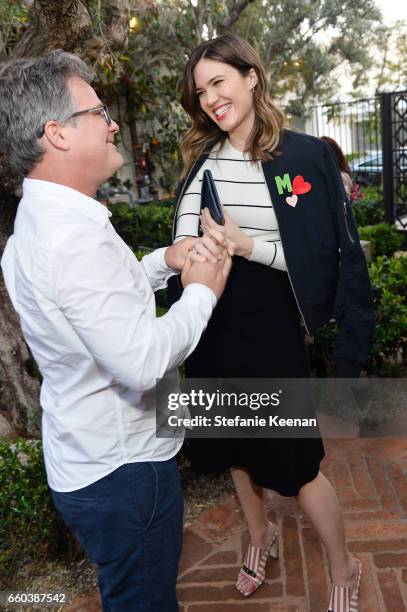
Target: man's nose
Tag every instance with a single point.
(114, 127)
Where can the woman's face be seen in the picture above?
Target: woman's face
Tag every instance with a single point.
(225, 95)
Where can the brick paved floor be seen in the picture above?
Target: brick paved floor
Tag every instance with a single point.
(370, 477)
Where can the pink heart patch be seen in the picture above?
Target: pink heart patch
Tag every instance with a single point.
(300, 186)
(292, 200)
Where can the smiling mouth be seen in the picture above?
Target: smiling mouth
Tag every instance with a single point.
(221, 111)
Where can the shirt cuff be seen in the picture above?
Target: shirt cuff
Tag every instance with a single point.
(156, 269)
(202, 293)
(161, 258)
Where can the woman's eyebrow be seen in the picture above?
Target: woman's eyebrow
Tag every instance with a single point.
(211, 80)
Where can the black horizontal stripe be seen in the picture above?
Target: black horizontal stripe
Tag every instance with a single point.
(183, 215)
(261, 229)
(247, 161)
(192, 193)
(185, 236)
(276, 240)
(275, 253)
(237, 182)
(250, 205)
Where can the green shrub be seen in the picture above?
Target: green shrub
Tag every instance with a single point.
(372, 193)
(368, 213)
(369, 210)
(384, 239)
(145, 226)
(155, 224)
(390, 273)
(389, 347)
(126, 224)
(389, 282)
(31, 528)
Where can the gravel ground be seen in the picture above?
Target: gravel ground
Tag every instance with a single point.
(200, 492)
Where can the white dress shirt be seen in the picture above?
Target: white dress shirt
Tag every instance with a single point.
(87, 311)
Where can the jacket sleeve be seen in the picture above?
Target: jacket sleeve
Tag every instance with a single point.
(353, 304)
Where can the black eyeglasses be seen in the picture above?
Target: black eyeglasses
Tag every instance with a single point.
(101, 110)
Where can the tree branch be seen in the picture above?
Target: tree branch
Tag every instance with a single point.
(234, 15)
(2, 47)
(209, 20)
(118, 27)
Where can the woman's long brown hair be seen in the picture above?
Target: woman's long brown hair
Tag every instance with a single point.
(269, 119)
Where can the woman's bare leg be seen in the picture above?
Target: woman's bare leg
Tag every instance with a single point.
(252, 502)
(318, 500)
(260, 530)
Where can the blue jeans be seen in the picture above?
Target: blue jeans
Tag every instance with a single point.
(130, 524)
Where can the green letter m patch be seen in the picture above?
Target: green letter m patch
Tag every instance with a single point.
(283, 183)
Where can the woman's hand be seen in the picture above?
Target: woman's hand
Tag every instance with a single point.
(212, 246)
(242, 244)
(208, 247)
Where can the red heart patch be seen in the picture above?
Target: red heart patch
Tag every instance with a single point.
(300, 186)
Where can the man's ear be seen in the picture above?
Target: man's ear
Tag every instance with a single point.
(55, 134)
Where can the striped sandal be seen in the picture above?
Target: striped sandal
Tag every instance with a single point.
(342, 600)
(252, 573)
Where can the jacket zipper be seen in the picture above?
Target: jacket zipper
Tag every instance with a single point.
(288, 272)
(292, 287)
(346, 222)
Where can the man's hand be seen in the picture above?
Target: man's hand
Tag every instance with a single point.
(207, 247)
(212, 274)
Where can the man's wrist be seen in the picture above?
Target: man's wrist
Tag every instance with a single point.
(169, 260)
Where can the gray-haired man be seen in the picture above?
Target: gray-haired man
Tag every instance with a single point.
(87, 311)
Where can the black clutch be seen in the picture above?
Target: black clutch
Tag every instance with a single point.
(210, 198)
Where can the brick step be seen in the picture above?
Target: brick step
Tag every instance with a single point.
(369, 476)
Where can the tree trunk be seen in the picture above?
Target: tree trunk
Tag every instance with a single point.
(66, 24)
(19, 389)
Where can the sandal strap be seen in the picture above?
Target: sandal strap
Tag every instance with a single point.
(341, 599)
(252, 560)
(248, 571)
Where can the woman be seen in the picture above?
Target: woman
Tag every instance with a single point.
(346, 172)
(287, 214)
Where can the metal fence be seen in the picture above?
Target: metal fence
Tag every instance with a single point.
(372, 132)
(355, 125)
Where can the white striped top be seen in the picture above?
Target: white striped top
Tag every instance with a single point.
(243, 192)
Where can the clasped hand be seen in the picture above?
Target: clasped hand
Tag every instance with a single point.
(242, 244)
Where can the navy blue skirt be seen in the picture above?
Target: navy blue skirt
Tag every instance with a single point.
(255, 332)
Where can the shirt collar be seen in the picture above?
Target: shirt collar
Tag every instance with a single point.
(35, 189)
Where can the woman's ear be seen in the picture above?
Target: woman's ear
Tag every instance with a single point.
(253, 79)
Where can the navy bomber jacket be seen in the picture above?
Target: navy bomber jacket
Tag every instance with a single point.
(324, 258)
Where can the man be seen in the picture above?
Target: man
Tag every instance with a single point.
(87, 311)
